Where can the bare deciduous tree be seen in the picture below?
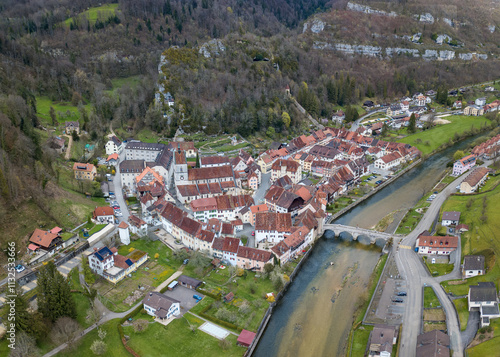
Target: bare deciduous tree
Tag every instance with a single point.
(65, 330)
(25, 346)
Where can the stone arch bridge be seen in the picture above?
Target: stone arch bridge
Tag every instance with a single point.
(372, 236)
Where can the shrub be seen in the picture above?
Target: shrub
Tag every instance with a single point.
(140, 325)
(224, 344)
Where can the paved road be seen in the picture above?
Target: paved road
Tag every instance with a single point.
(119, 192)
(413, 270)
(261, 191)
(355, 124)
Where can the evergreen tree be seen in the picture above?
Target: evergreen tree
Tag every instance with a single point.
(411, 125)
(54, 294)
(197, 160)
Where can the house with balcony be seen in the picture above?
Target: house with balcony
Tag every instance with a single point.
(464, 164)
(483, 297)
(160, 306)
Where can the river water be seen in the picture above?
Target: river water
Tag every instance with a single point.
(316, 314)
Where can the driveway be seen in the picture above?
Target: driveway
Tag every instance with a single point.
(472, 327)
(185, 296)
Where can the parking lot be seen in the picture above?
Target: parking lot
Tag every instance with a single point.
(185, 296)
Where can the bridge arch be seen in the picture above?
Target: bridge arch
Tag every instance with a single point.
(364, 239)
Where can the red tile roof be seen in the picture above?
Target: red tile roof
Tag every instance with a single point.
(206, 173)
(230, 244)
(254, 254)
(77, 166)
(271, 221)
(123, 224)
(438, 241)
(103, 211)
(43, 238)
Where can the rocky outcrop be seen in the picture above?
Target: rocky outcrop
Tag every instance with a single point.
(368, 10)
(440, 39)
(426, 18)
(212, 48)
(412, 52)
(316, 26)
(491, 28)
(376, 51)
(449, 22)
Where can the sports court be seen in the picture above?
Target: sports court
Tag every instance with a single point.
(214, 330)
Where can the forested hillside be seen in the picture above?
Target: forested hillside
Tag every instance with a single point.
(100, 58)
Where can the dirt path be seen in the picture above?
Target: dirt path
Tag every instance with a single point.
(68, 150)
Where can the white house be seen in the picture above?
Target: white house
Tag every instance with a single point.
(138, 226)
(483, 297)
(473, 266)
(101, 260)
(388, 161)
(450, 218)
(271, 228)
(103, 215)
(161, 306)
(436, 245)
(124, 233)
(114, 146)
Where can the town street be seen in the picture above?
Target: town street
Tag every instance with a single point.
(119, 192)
(413, 270)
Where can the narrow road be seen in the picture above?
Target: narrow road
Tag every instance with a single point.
(68, 150)
(108, 315)
(355, 124)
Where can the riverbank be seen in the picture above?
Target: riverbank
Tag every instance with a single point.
(374, 191)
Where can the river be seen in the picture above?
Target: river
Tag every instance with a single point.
(306, 322)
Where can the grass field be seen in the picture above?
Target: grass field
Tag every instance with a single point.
(94, 13)
(177, 339)
(438, 269)
(430, 298)
(429, 140)
(490, 347)
(360, 340)
(112, 340)
(463, 312)
(65, 111)
(483, 238)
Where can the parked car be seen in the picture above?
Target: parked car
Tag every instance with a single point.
(197, 297)
(397, 300)
(115, 207)
(19, 268)
(253, 233)
(402, 293)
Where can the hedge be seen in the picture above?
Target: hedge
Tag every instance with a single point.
(220, 322)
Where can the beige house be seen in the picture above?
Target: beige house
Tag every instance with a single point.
(473, 110)
(474, 180)
(84, 171)
(71, 126)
